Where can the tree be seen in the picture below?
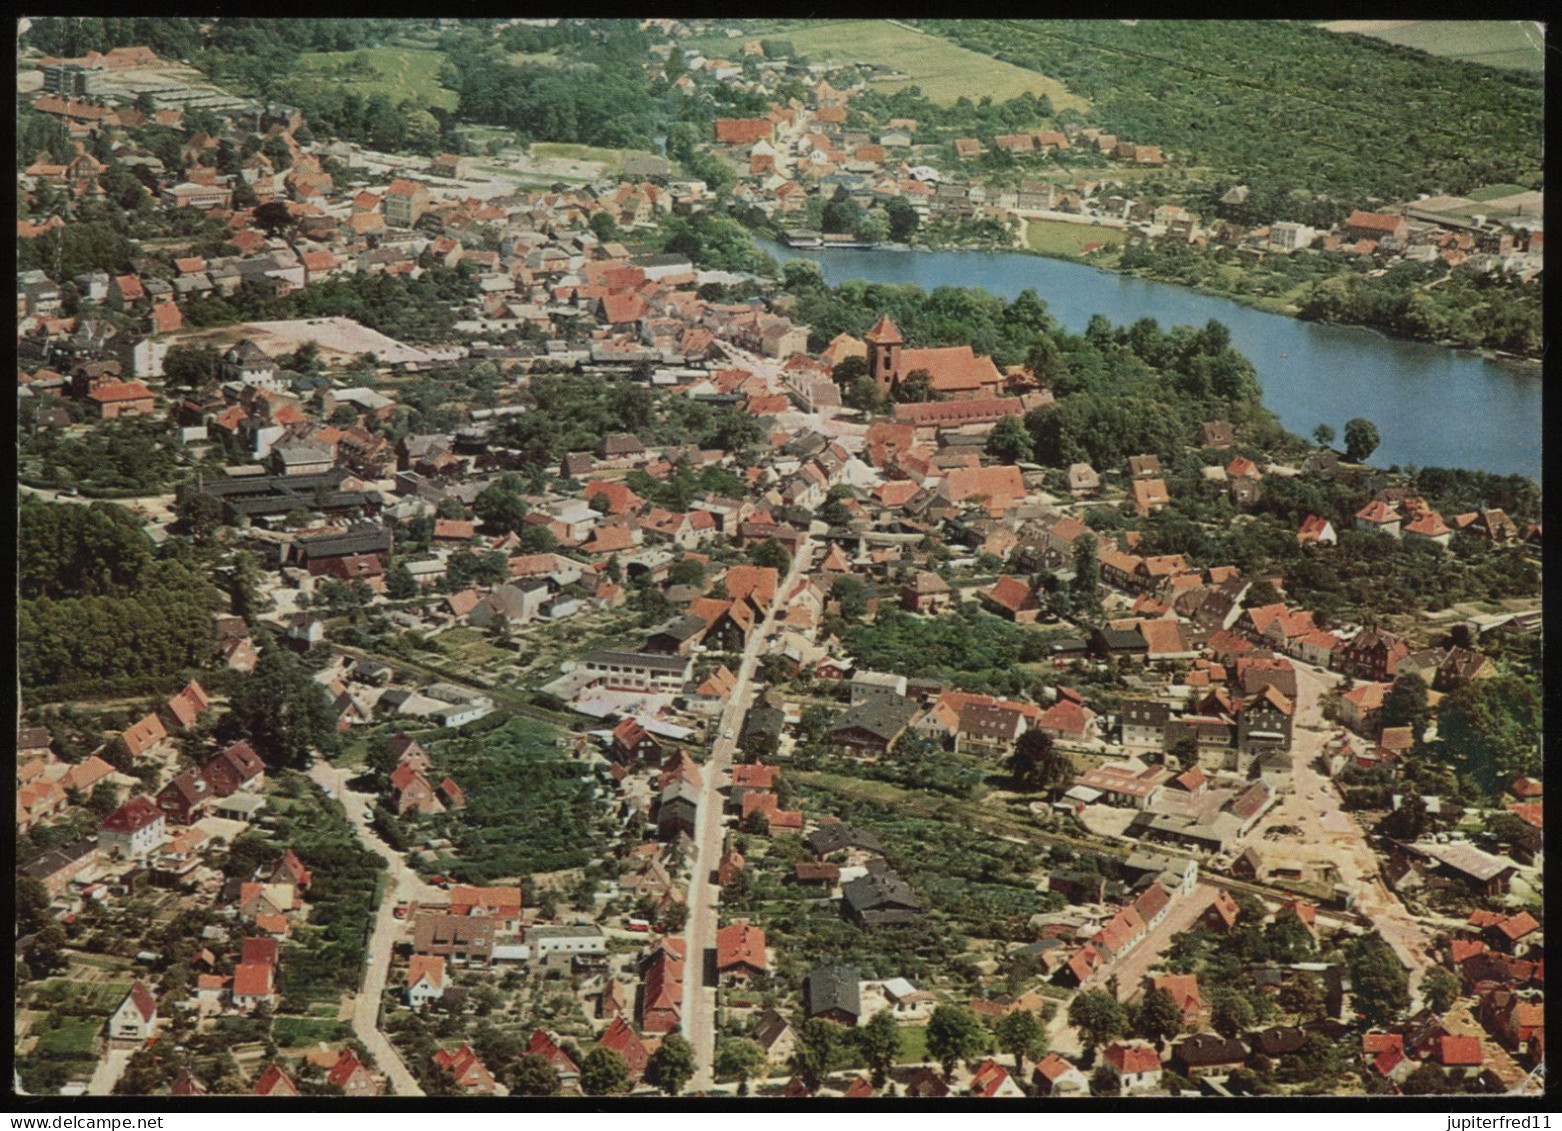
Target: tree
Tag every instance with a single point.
(1104, 1082)
(954, 1034)
(1406, 704)
(848, 370)
(903, 219)
(273, 217)
(1230, 1012)
(771, 553)
(400, 585)
(500, 504)
(1083, 589)
(603, 1073)
(1010, 441)
(537, 539)
(1361, 439)
(862, 394)
(1439, 989)
(420, 131)
(853, 597)
(741, 1058)
(1303, 996)
(815, 1051)
(534, 1076)
(1159, 1016)
(880, 1043)
(283, 710)
(1021, 1035)
(190, 366)
(1037, 764)
(671, 1065)
(200, 514)
(1323, 435)
(1380, 986)
(1490, 728)
(915, 387)
(32, 904)
(1097, 1016)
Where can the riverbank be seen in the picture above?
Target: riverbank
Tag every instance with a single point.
(1524, 363)
(1434, 406)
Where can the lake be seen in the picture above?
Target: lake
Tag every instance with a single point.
(1433, 406)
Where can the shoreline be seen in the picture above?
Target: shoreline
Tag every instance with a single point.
(1528, 366)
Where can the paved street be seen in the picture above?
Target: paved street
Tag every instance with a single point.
(699, 1000)
(1329, 835)
(1182, 915)
(108, 1071)
(402, 884)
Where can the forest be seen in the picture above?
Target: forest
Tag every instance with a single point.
(97, 604)
(1363, 119)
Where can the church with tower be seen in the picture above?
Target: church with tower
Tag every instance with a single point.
(954, 371)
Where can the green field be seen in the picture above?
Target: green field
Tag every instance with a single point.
(1494, 192)
(297, 1032)
(399, 73)
(1057, 237)
(944, 71)
(1513, 44)
(75, 1038)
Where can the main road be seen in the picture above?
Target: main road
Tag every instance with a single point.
(699, 999)
(402, 885)
(1330, 836)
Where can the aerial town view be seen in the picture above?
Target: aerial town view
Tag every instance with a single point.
(779, 558)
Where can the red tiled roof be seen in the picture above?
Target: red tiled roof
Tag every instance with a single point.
(1459, 1051)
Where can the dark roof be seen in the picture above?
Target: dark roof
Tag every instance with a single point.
(885, 717)
(1277, 1040)
(680, 628)
(371, 540)
(763, 721)
(832, 987)
(837, 835)
(880, 891)
(1210, 1048)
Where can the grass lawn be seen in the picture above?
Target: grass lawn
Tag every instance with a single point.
(1058, 237)
(913, 1044)
(545, 58)
(400, 73)
(943, 70)
(76, 1037)
(1512, 44)
(296, 1032)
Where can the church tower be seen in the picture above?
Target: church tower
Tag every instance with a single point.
(884, 342)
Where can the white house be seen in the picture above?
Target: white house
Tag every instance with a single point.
(425, 979)
(135, 1018)
(134, 830)
(546, 941)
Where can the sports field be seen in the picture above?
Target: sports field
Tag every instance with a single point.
(944, 71)
(1514, 44)
(398, 72)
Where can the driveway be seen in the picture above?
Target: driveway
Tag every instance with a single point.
(108, 1071)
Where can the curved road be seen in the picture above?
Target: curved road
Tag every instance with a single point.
(403, 885)
(699, 1000)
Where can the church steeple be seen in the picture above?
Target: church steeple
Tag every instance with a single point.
(884, 342)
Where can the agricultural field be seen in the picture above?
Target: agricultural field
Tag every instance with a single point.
(397, 72)
(1057, 237)
(944, 71)
(1512, 44)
